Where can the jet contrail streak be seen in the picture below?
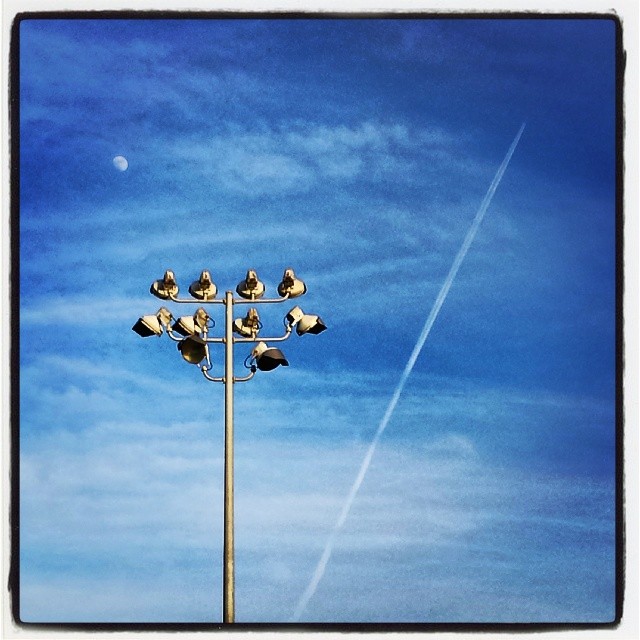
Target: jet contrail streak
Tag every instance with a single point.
(326, 554)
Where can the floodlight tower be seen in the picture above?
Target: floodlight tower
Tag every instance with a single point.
(191, 332)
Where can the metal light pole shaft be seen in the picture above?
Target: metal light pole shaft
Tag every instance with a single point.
(195, 348)
(228, 603)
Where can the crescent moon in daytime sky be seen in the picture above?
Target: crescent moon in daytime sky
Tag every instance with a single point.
(120, 163)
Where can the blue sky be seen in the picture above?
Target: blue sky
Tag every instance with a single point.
(357, 152)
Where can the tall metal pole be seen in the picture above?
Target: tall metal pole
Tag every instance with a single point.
(191, 348)
(228, 604)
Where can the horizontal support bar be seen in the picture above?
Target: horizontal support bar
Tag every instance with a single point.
(180, 338)
(260, 300)
(233, 300)
(195, 301)
(235, 340)
(215, 340)
(261, 339)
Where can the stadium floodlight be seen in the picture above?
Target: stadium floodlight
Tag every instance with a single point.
(193, 349)
(203, 288)
(290, 285)
(305, 323)
(249, 326)
(152, 325)
(192, 333)
(251, 287)
(268, 358)
(191, 325)
(166, 287)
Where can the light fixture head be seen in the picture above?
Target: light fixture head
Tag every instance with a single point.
(294, 316)
(249, 326)
(147, 326)
(193, 349)
(268, 358)
(310, 324)
(166, 287)
(203, 288)
(291, 285)
(164, 315)
(250, 288)
(306, 323)
(191, 325)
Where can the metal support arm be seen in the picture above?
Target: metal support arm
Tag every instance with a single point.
(233, 301)
(247, 377)
(260, 300)
(205, 373)
(194, 300)
(261, 339)
(175, 337)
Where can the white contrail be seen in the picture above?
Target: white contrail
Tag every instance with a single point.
(326, 554)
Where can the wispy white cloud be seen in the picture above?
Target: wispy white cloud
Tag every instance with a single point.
(249, 164)
(139, 494)
(152, 80)
(83, 311)
(459, 520)
(433, 500)
(296, 157)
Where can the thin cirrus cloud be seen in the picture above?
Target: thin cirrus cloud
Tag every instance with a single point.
(144, 464)
(296, 158)
(382, 521)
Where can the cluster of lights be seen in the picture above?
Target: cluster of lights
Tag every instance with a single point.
(191, 332)
(251, 288)
(192, 335)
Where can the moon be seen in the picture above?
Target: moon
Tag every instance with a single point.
(120, 163)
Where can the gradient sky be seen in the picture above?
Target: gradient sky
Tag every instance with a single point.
(357, 152)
